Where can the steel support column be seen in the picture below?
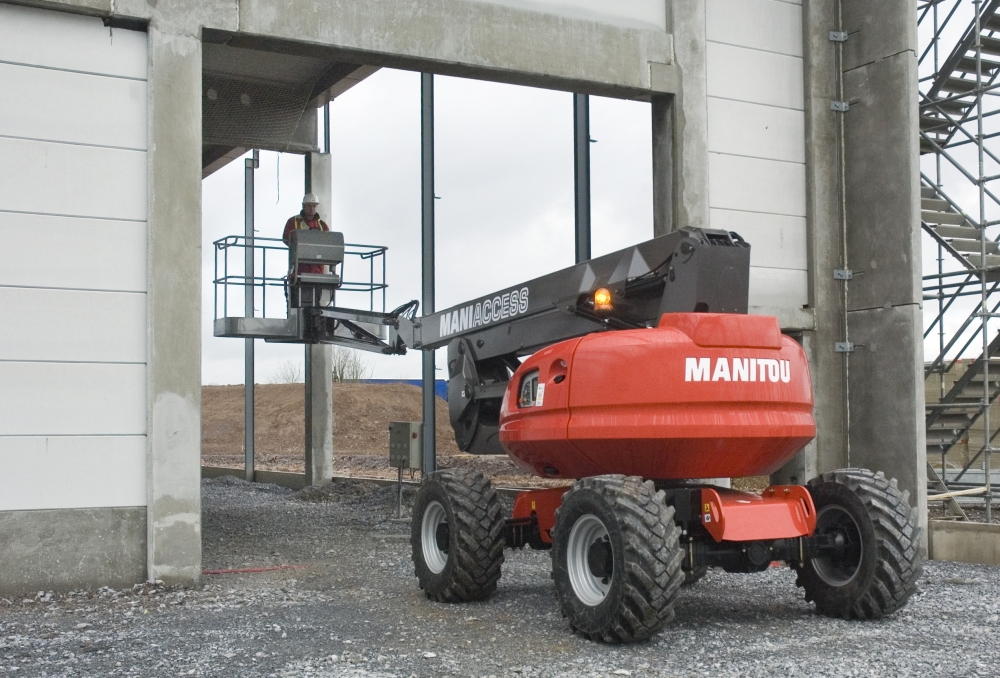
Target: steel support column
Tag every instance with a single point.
(581, 174)
(427, 256)
(251, 164)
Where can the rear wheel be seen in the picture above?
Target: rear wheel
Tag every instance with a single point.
(456, 536)
(616, 558)
(874, 563)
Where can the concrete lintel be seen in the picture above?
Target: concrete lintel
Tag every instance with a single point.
(883, 183)
(887, 398)
(664, 78)
(878, 30)
(963, 542)
(470, 39)
(68, 549)
(174, 308)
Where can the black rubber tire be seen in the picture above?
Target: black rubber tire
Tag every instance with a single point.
(694, 576)
(644, 542)
(889, 564)
(475, 536)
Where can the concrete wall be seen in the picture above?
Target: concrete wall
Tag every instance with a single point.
(964, 542)
(756, 141)
(73, 246)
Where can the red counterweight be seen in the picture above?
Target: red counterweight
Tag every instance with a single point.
(700, 396)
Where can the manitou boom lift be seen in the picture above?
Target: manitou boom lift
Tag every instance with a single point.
(644, 374)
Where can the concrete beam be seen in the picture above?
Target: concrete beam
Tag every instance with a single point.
(471, 39)
(69, 549)
(174, 303)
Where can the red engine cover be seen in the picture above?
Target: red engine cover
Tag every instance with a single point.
(701, 396)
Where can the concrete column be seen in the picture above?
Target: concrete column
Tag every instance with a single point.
(887, 430)
(824, 224)
(319, 357)
(663, 164)
(174, 306)
(683, 118)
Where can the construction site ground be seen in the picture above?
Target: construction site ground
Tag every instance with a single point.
(347, 604)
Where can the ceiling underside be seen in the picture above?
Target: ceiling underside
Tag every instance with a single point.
(265, 98)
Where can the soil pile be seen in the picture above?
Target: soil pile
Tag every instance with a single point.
(361, 416)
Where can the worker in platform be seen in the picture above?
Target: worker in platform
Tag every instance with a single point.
(308, 218)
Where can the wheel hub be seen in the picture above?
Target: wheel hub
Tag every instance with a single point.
(590, 560)
(839, 565)
(434, 537)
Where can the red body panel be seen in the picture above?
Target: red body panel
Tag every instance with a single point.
(700, 396)
(543, 504)
(779, 512)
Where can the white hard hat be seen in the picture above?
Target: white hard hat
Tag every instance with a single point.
(310, 198)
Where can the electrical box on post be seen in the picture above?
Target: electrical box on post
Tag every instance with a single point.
(406, 444)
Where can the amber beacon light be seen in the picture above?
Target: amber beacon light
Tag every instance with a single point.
(602, 299)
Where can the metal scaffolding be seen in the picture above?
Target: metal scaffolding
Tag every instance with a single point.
(958, 66)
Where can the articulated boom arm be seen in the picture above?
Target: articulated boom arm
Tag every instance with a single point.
(684, 271)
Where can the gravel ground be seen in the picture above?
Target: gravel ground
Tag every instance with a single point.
(351, 607)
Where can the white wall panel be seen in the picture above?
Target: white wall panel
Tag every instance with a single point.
(629, 13)
(87, 181)
(770, 25)
(45, 251)
(778, 287)
(755, 185)
(72, 398)
(776, 241)
(104, 111)
(69, 41)
(754, 76)
(72, 472)
(69, 325)
(742, 128)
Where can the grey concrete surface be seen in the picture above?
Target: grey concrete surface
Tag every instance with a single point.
(883, 183)
(174, 304)
(71, 548)
(963, 542)
(319, 357)
(887, 399)
(689, 123)
(887, 431)
(876, 30)
(354, 609)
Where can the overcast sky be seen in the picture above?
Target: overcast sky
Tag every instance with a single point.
(504, 163)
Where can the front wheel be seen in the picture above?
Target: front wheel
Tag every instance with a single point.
(616, 559)
(456, 535)
(871, 562)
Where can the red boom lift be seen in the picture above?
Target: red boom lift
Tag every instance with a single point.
(645, 375)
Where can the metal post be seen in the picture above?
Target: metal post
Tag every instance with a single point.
(251, 164)
(326, 131)
(987, 429)
(581, 174)
(427, 257)
(399, 493)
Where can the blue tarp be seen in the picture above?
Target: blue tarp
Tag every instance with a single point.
(440, 385)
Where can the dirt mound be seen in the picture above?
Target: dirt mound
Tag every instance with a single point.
(361, 416)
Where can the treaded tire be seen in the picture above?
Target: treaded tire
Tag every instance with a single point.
(644, 544)
(889, 565)
(475, 539)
